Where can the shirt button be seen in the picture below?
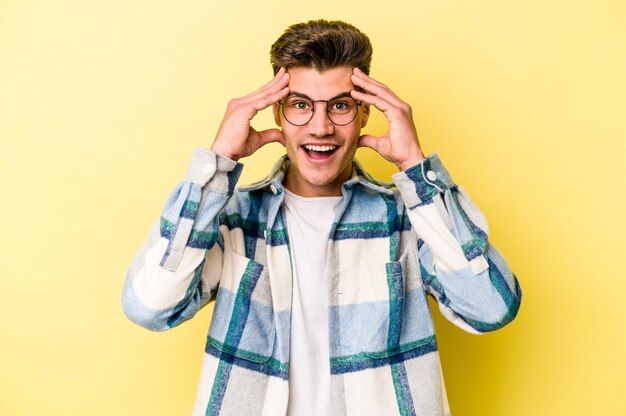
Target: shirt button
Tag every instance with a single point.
(431, 175)
(208, 169)
(273, 189)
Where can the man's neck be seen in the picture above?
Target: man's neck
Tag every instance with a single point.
(296, 184)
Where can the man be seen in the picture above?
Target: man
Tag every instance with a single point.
(319, 272)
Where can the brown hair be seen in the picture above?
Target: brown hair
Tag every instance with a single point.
(322, 45)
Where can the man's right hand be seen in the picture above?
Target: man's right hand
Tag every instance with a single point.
(236, 138)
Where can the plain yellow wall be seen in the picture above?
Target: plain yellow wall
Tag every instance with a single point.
(102, 103)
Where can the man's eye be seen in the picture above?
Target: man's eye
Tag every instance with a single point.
(300, 105)
(340, 106)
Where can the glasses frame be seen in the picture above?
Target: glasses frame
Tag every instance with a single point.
(343, 94)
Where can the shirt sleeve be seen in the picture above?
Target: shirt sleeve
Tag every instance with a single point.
(467, 275)
(177, 269)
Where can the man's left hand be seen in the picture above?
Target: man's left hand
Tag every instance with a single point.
(400, 144)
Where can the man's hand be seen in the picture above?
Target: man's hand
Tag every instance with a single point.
(236, 138)
(400, 144)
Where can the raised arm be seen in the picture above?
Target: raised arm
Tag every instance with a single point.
(470, 279)
(178, 268)
(467, 275)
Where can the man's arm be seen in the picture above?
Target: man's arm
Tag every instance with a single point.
(178, 268)
(470, 279)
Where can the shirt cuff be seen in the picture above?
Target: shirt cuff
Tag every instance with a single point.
(213, 171)
(420, 183)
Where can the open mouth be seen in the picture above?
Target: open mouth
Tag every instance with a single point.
(319, 152)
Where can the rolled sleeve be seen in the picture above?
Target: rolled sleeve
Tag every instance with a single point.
(420, 183)
(213, 171)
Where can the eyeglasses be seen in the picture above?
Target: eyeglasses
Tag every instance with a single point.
(341, 110)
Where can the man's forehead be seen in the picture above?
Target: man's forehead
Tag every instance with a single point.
(320, 84)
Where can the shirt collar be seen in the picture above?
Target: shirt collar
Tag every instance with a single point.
(274, 180)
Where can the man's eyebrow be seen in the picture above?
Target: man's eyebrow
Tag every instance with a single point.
(299, 94)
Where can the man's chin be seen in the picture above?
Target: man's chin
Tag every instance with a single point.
(326, 177)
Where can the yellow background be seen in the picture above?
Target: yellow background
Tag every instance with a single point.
(102, 103)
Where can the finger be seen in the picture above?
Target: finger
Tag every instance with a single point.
(262, 95)
(381, 90)
(281, 78)
(370, 84)
(250, 109)
(270, 136)
(367, 140)
(362, 75)
(375, 100)
(276, 79)
(357, 72)
(265, 101)
(278, 82)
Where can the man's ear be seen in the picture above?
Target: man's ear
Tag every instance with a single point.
(366, 114)
(276, 111)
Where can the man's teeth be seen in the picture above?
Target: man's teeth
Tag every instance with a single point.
(325, 148)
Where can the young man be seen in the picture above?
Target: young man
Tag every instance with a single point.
(319, 272)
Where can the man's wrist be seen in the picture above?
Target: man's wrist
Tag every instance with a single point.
(224, 153)
(408, 163)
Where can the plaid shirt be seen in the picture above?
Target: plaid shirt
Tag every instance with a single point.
(390, 246)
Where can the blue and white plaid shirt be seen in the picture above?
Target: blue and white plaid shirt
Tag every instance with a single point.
(389, 246)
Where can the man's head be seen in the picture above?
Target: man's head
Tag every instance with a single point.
(320, 57)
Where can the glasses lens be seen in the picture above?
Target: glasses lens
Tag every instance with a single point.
(298, 110)
(342, 110)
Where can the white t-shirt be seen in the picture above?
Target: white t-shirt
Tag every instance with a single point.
(309, 221)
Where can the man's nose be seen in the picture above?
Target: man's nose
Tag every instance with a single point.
(320, 125)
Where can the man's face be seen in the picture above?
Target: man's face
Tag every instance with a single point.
(320, 172)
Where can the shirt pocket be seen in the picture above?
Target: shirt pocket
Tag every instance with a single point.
(243, 318)
(382, 311)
